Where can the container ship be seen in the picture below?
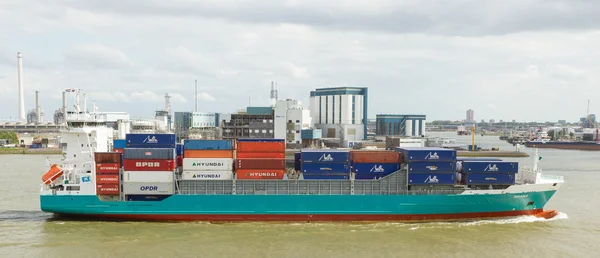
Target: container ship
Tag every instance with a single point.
(568, 145)
(154, 177)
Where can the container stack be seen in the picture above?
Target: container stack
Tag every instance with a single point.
(374, 164)
(260, 159)
(179, 152)
(207, 160)
(149, 164)
(119, 145)
(429, 166)
(108, 166)
(489, 172)
(325, 164)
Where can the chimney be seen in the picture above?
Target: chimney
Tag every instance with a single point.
(21, 97)
(38, 108)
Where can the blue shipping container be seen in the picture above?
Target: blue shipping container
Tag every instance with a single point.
(260, 140)
(477, 159)
(179, 149)
(376, 168)
(297, 161)
(431, 179)
(490, 179)
(146, 198)
(149, 153)
(431, 167)
(370, 176)
(427, 154)
(208, 144)
(321, 176)
(325, 167)
(119, 143)
(490, 167)
(151, 140)
(325, 156)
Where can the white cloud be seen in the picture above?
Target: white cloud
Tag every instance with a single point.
(97, 56)
(298, 72)
(203, 96)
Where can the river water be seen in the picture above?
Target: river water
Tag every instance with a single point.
(25, 231)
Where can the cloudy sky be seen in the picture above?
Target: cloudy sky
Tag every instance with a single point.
(528, 60)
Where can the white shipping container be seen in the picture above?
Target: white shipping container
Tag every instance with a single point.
(208, 164)
(148, 176)
(148, 188)
(207, 175)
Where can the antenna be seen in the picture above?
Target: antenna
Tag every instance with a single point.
(196, 85)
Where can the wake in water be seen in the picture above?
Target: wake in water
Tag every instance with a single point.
(8, 215)
(515, 220)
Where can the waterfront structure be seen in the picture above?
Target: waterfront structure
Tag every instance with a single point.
(400, 125)
(340, 112)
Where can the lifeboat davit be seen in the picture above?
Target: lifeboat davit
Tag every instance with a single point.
(52, 174)
(547, 214)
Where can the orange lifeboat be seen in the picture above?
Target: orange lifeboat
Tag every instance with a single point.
(52, 174)
(547, 214)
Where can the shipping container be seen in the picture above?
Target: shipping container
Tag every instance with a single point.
(107, 179)
(149, 153)
(431, 167)
(119, 151)
(107, 157)
(119, 143)
(325, 176)
(370, 176)
(382, 168)
(179, 149)
(207, 164)
(149, 165)
(207, 175)
(208, 154)
(148, 188)
(151, 141)
(426, 154)
(310, 134)
(107, 189)
(324, 156)
(179, 161)
(260, 174)
(109, 168)
(490, 167)
(490, 179)
(260, 140)
(325, 167)
(208, 144)
(260, 155)
(148, 177)
(477, 159)
(297, 161)
(259, 164)
(431, 179)
(260, 146)
(146, 198)
(374, 157)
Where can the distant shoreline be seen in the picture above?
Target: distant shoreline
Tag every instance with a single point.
(30, 151)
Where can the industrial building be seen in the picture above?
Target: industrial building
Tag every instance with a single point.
(340, 112)
(290, 119)
(470, 116)
(256, 122)
(400, 125)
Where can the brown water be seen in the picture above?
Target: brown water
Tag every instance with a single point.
(25, 231)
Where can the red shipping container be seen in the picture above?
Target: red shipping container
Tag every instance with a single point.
(107, 179)
(375, 157)
(108, 168)
(261, 147)
(179, 161)
(260, 164)
(107, 157)
(108, 189)
(261, 155)
(260, 174)
(149, 165)
(119, 150)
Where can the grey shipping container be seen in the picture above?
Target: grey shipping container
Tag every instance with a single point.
(148, 188)
(149, 153)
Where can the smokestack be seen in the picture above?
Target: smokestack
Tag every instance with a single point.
(64, 103)
(21, 97)
(273, 94)
(38, 108)
(196, 85)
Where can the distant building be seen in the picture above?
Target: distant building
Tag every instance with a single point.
(562, 122)
(492, 121)
(185, 121)
(501, 121)
(256, 122)
(400, 125)
(340, 112)
(514, 121)
(470, 116)
(290, 119)
(589, 121)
